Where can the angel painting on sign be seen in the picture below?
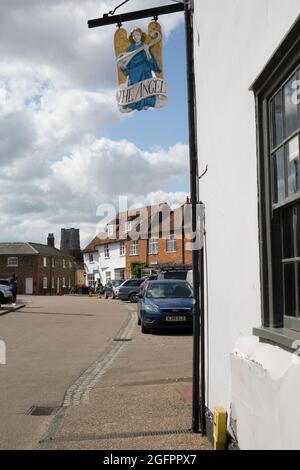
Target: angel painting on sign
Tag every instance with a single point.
(139, 61)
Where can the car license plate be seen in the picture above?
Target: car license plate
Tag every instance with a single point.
(175, 318)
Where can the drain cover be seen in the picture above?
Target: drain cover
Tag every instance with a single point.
(122, 339)
(42, 410)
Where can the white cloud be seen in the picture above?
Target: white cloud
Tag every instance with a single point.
(57, 100)
(67, 192)
(53, 36)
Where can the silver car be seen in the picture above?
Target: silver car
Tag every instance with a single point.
(5, 292)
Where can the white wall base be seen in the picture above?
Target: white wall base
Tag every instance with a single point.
(265, 395)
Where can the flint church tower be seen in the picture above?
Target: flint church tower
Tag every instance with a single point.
(70, 242)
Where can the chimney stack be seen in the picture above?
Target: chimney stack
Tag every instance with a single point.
(51, 240)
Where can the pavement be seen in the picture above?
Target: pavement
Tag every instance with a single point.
(110, 387)
(7, 308)
(142, 402)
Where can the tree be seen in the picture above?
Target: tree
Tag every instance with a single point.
(136, 268)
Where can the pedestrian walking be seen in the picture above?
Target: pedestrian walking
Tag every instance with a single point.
(14, 288)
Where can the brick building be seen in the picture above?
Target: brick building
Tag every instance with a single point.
(156, 237)
(166, 244)
(40, 269)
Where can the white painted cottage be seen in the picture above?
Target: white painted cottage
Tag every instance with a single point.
(247, 56)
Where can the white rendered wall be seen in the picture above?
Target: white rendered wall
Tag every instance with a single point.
(91, 266)
(267, 378)
(236, 38)
(115, 261)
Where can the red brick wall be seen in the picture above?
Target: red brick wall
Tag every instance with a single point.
(26, 268)
(163, 257)
(54, 273)
(31, 266)
(141, 257)
(188, 257)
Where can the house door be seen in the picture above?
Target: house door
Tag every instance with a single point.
(29, 286)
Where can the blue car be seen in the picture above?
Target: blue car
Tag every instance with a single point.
(166, 303)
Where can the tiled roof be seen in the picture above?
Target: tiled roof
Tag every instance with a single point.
(47, 250)
(15, 249)
(134, 213)
(101, 239)
(154, 223)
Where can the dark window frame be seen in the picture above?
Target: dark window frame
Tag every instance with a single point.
(106, 251)
(275, 75)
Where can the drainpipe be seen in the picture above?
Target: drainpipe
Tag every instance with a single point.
(197, 254)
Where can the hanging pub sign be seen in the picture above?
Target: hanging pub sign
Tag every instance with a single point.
(140, 71)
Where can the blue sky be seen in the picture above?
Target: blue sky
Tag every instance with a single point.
(63, 142)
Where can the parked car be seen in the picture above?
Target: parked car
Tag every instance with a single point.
(110, 289)
(130, 289)
(173, 274)
(152, 277)
(5, 292)
(166, 303)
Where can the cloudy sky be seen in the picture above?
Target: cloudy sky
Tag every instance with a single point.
(64, 146)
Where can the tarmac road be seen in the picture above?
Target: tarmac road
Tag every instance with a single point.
(49, 344)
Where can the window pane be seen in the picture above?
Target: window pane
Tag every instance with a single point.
(277, 119)
(279, 186)
(288, 239)
(293, 166)
(298, 288)
(291, 110)
(289, 287)
(298, 230)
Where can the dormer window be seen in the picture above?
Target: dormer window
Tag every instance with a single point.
(128, 226)
(110, 230)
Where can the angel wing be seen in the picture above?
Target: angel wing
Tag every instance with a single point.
(121, 44)
(156, 49)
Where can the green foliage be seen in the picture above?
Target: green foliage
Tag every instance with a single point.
(136, 268)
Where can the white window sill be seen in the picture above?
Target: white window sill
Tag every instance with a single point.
(280, 336)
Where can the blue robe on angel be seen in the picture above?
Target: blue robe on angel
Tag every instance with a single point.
(140, 68)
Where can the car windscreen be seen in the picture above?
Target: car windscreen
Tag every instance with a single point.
(168, 291)
(4, 282)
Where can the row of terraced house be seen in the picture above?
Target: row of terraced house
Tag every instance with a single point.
(139, 242)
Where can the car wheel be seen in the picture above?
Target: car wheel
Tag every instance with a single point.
(133, 298)
(2, 299)
(144, 330)
(106, 296)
